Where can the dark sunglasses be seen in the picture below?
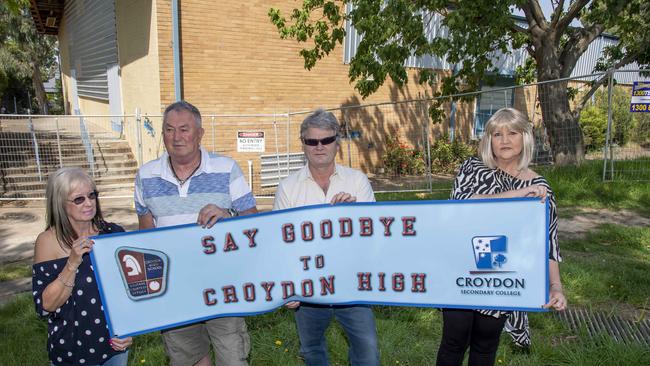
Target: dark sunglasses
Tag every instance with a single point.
(81, 199)
(323, 141)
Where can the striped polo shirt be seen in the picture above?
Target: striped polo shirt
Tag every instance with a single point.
(218, 180)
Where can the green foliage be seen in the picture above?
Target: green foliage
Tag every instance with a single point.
(641, 129)
(593, 122)
(394, 30)
(26, 57)
(401, 159)
(626, 126)
(447, 156)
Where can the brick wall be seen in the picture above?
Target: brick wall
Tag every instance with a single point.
(234, 61)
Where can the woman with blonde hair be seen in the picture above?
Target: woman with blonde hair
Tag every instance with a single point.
(506, 149)
(64, 287)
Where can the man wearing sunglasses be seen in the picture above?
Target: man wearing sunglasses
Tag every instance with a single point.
(169, 191)
(324, 181)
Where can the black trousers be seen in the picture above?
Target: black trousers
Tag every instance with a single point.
(463, 328)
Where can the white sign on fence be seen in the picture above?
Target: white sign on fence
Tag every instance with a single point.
(250, 141)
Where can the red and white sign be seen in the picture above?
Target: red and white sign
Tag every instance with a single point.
(250, 141)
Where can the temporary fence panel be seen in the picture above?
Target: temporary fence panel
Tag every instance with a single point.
(626, 152)
(397, 144)
(33, 147)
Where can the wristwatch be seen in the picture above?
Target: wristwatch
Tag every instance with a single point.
(232, 212)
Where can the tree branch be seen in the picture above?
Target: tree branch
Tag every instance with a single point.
(571, 14)
(576, 46)
(536, 13)
(557, 12)
(598, 83)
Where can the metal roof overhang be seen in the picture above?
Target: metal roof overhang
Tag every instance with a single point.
(47, 15)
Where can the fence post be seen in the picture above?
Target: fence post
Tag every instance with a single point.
(288, 145)
(277, 148)
(58, 142)
(609, 129)
(349, 137)
(35, 142)
(427, 133)
(214, 139)
(250, 175)
(138, 134)
(85, 140)
(288, 141)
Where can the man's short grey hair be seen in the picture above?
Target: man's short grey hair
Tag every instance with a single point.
(180, 106)
(321, 119)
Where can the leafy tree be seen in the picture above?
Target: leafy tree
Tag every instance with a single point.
(394, 30)
(24, 53)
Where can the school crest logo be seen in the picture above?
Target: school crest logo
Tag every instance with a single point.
(490, 252)
(144, 271)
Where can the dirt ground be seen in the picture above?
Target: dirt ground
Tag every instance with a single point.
(587, 219)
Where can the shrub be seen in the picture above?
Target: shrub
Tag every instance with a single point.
(593, 121)
(447, 156)
(401, 159)
(641, 128)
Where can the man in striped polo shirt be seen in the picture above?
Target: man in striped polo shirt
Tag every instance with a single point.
(186, 185)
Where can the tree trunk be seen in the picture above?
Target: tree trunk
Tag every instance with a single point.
(561, 124)
(39, 90)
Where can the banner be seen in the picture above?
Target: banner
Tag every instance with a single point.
(475, 254)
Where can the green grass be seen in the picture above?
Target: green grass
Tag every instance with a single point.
(574, 187)
(407, 336)
(583, 187)
(610, 265)
(15, 270)
(606, 270)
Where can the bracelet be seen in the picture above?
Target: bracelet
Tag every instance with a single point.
(68, 285)
(70, 268)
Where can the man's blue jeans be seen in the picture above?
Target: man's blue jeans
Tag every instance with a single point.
(357, 321)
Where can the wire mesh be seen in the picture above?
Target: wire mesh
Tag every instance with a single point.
(626, 152)
(32, 147)
(401, 146)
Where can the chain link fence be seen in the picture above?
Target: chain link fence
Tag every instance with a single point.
(626, 152)
(32, 147)
(402, 146)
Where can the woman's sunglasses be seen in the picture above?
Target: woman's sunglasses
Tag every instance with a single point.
(81, 199)
(323, 141)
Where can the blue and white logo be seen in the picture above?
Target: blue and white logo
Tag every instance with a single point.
(489, 251)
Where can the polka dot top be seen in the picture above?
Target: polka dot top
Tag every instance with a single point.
(77, 331)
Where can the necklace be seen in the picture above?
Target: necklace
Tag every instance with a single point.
(182, 181)
(519, 171)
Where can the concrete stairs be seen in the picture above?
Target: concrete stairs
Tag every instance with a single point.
(114, 164)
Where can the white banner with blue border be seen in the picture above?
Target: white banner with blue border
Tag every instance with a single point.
(474, 254)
